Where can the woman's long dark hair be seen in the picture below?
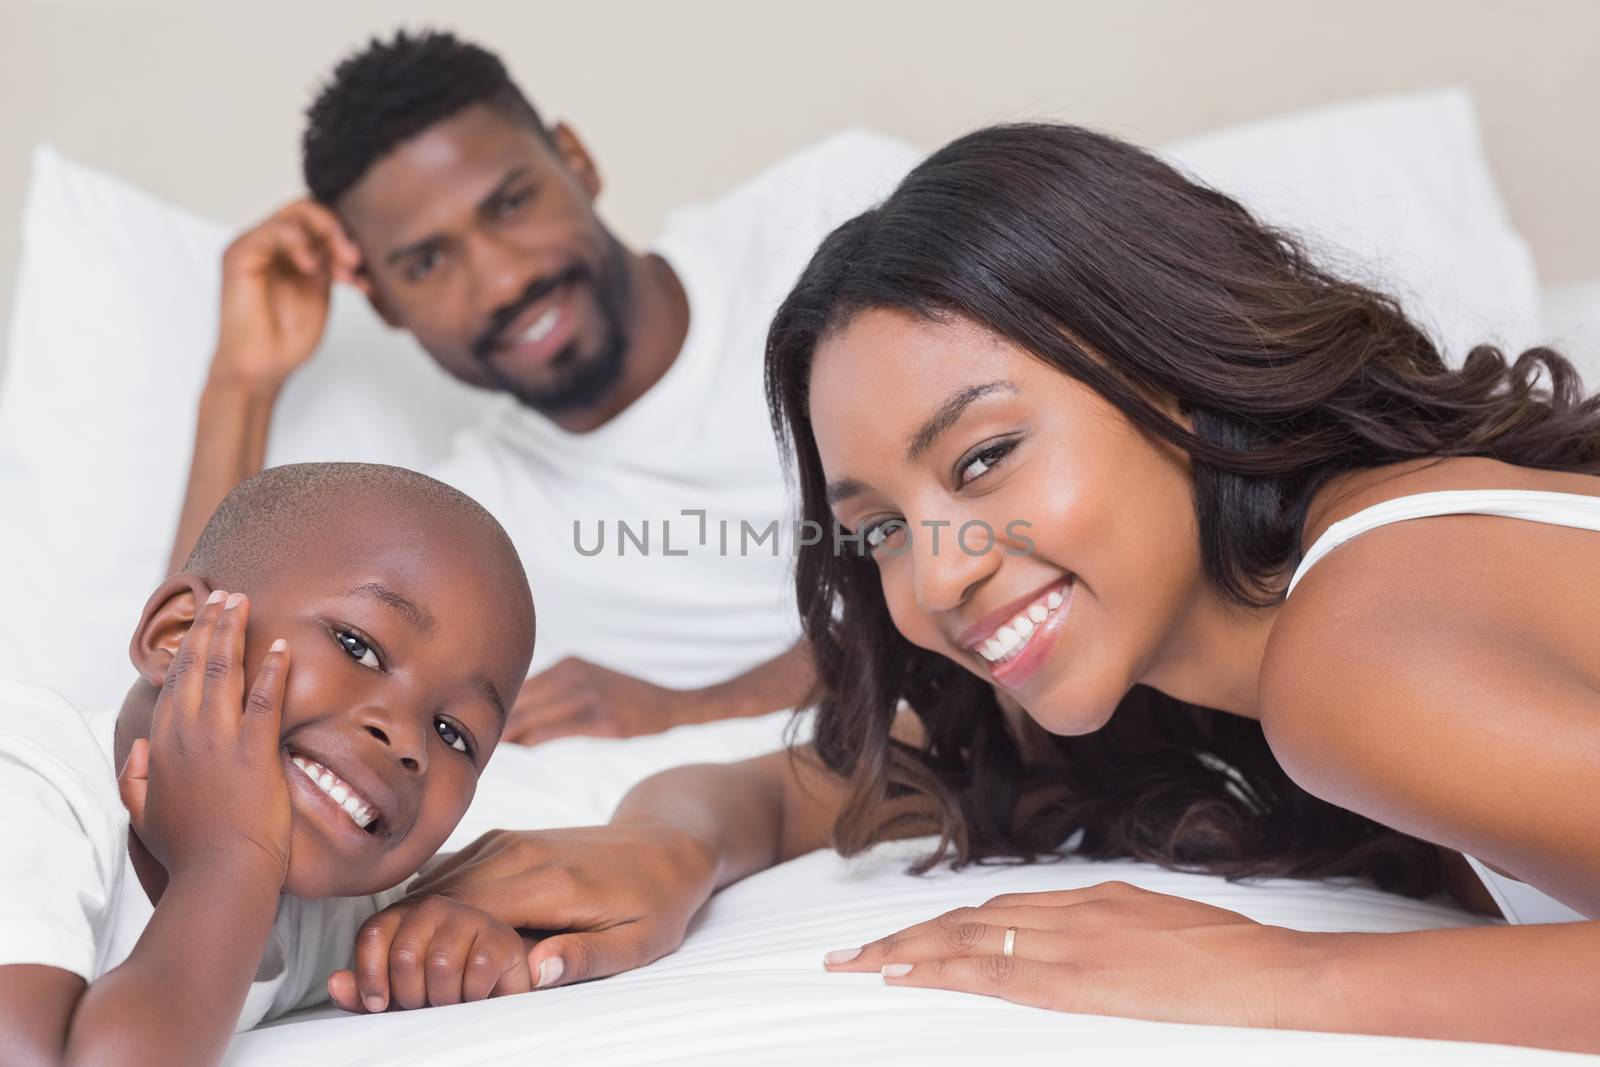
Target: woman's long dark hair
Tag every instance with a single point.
(1116, 269)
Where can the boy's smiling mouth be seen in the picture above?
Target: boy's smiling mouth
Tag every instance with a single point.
(349, 801)
(361, 810)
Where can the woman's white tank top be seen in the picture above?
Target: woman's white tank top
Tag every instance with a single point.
(1518, 901)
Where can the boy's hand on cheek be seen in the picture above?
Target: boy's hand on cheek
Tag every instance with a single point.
(427, 952)
(208, 786)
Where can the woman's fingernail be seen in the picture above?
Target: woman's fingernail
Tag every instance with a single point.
(373, 1002)
(896, 970)
(550, 971)
(840, 955)
(216, 595)
(279, 645)
(234, 600)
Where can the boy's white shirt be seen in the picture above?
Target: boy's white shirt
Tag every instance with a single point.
(688, 613)
(69, 897)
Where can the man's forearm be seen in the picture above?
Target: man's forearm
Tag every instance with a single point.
(230, 445)
(744, 816)
(177, 997)
(1518, 985)
(785, 681)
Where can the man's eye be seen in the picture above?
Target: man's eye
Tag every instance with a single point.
(420, 267)
(452, 736)
(358, 649)
(511, 203)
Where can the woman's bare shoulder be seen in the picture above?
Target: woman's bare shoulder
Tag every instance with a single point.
(1468, 640)
(1355, 491)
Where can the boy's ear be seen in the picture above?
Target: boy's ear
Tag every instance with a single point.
(168, 614)
(577, 159)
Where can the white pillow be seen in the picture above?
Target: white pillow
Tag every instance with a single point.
(112, 332)
(1394, 191)
(1572, 325)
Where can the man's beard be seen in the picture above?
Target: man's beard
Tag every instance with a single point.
(578, 380)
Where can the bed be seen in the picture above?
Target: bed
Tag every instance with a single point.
(747, 987)
(95, 431)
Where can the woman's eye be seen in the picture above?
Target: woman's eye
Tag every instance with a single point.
(981, 462)
(877, 534)
(452, 736)
(358, 649)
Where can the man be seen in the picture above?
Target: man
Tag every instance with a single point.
(632, 461)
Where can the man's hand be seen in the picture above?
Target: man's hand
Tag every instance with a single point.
(579, 698)
(428, 951)
(208, 786)
(277, 280)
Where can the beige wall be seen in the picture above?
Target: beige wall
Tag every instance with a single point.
(200, 101)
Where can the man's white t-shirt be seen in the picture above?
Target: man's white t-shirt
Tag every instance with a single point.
(626, 570)
(69, 897)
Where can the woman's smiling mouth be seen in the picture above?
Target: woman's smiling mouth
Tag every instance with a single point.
(1015, 647)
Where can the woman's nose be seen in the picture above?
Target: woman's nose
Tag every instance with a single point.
(947, 565)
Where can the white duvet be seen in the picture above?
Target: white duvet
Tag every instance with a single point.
(747, 987)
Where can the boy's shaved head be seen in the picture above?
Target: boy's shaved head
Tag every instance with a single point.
(262, 525)
(409, 627)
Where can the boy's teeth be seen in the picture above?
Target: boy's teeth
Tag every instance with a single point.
(1010, 638)
(347, 798)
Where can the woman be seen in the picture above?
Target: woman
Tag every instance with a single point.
(1275, 591)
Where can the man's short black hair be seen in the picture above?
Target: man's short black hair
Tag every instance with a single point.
(391, 91)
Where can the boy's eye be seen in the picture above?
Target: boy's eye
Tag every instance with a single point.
(357, 649)
(452, 736)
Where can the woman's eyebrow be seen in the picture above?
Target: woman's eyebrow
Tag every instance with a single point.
(844, 489)
(927, 433)
(948, 413)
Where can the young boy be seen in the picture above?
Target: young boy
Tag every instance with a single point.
(318, 691)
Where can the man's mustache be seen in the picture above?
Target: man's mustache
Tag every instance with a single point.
(502, 318)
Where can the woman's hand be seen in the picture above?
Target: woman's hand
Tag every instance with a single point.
(1110, 949)
(208, 785)
(617, 897)
(430, 951)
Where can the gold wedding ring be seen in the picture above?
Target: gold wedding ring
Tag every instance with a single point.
(1009, 949)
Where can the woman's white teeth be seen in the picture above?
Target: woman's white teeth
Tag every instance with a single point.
(542, 326)
(353, 803)
(1010, 638)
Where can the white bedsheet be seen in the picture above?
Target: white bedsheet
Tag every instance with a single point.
(748, 987)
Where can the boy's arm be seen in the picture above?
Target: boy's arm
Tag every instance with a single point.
(174, 1000)
(218, 824)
